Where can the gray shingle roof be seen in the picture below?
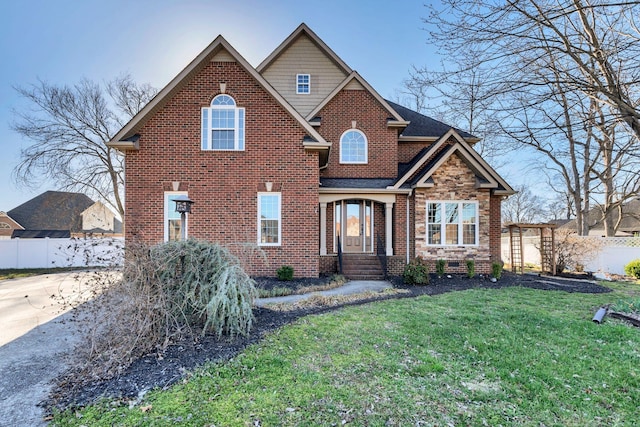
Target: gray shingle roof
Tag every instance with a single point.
(52, 210)
(630, 218)
(422, 125)
(41, 234)
(356, 182)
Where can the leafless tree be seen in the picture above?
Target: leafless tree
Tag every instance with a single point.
(562, 77)
(593, 38)
(459, 94)
(68, 127)
(523, 207)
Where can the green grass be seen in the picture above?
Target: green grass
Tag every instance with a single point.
(14, 273)
(627, 305)
(508, 357)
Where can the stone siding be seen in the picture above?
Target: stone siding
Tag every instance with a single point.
(454, 181)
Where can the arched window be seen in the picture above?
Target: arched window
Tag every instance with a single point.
(353, 147)
(223, 125)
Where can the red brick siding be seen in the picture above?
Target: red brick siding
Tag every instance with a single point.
(400, 227)
(395, 265)
(331, 210)
(371, 118)
(224, 185)
(328, 264)
(378, 225)
(408, 150)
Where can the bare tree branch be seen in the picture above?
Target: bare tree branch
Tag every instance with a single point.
(69, 127)
(561, 77)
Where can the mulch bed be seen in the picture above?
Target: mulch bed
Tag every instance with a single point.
(160, 371)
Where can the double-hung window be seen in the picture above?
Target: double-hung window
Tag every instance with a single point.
(269, 219)
(223, 125)
(303, 83)
(353, 147)
(452, 223)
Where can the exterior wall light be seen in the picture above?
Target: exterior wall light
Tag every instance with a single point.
(183, 206)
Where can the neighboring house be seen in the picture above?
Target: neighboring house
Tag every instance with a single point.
(58, 214)
(99, 219)
(629, 225)
(7, 225)
(300, 153)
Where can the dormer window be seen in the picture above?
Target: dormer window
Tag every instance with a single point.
(303, 83)
(223, 125)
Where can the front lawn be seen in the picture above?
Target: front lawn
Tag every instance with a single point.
(511, 356)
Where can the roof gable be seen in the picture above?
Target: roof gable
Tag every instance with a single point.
(220, 50)
(354, 81)
(304, 57)
(303, 29)
(420, 170)
(8, 221)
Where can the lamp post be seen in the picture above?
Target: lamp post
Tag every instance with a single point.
(183, 205)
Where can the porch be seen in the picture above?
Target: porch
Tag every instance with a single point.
(369, 229)
(356, 222)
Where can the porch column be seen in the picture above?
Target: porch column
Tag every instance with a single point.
(323, 228)
(388, 220)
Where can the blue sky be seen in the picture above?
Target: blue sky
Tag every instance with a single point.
(63, 41)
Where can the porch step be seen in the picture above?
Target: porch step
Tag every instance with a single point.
(361, 267)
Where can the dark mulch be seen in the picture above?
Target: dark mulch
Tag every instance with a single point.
(156, 371)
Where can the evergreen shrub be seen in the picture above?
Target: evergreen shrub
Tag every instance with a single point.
(416, 272)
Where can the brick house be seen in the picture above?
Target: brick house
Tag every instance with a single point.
(300, 155)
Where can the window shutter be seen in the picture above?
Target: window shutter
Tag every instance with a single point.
(205, 129)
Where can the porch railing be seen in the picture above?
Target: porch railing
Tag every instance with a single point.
(381, 253)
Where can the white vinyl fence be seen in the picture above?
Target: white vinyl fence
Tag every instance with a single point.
(615, 253)
(69, 252)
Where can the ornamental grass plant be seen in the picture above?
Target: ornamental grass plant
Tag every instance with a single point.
(165, 293)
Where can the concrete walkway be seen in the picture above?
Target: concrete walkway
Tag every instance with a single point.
(349, 288)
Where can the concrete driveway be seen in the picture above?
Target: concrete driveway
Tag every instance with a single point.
(34, 335)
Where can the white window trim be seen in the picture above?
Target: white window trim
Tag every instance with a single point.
(170, 206)
(460, 223)
(366, 148)
(207, 134)
(298, 84)
(279, 195)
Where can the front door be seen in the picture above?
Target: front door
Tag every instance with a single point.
(357, 220)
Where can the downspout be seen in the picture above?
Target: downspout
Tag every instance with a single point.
(407, 233)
